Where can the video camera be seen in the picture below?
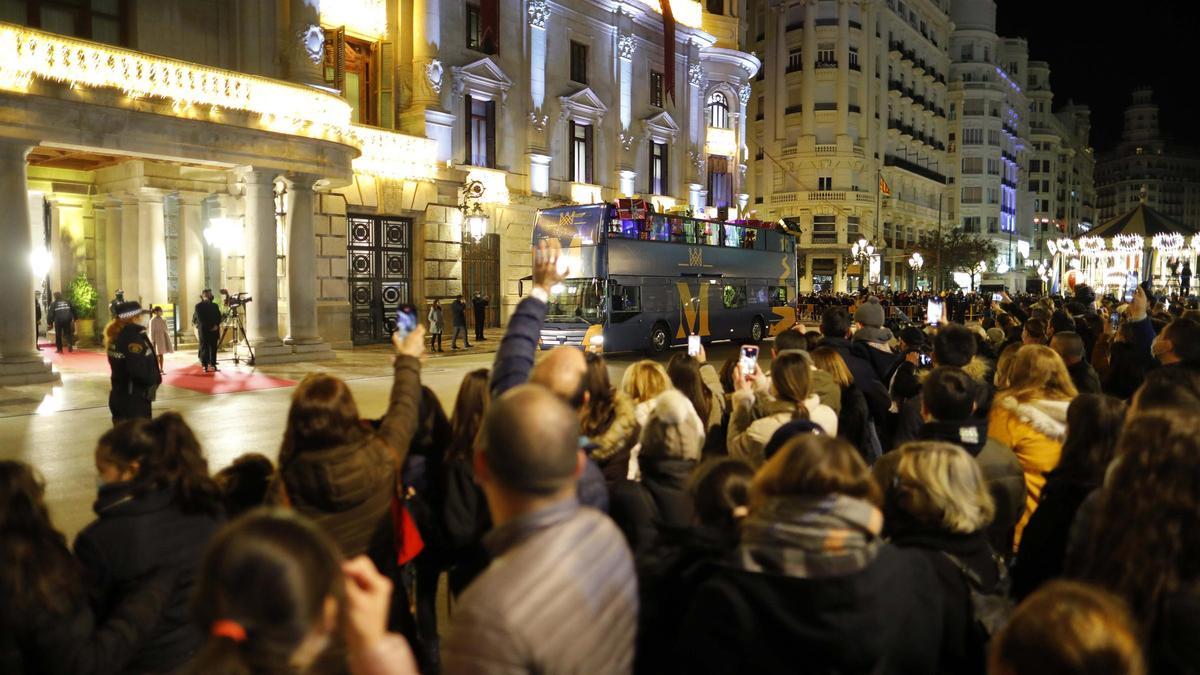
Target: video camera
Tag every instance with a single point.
(232, 300)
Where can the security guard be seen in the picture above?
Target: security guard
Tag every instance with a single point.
(135, 376)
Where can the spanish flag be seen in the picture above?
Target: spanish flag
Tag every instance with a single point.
(883, 187)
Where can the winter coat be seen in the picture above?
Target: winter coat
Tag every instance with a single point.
(458, 310)
(884, 619)
(854, 423)
(621, 432)
(748, 436)
(436, 321)
(132, 537)
(908, 419)
(348, 489)
(660, 498)
(465, 519)
(77, 642)
(160, 336)
(858, 358)
(1084, 377)
(1035, 431)
(961, 649)
(669, 574)
(1043, 551)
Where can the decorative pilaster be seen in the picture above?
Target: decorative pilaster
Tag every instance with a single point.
(261, 266)
(301, 260)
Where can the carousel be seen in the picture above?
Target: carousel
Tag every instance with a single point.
(1114, 257)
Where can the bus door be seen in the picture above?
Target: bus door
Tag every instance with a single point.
(694, 303)
(627, 329)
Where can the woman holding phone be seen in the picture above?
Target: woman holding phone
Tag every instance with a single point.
(790, 397)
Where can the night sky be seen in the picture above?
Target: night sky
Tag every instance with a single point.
(1099, 52)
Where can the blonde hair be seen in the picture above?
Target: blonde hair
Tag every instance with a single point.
(939, 484)
(644, 380)
(830, 361)
(1038, 372)
(1070, 628)
(814, 466)
(1004, 366)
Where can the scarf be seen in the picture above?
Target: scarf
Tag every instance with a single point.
(811, 537)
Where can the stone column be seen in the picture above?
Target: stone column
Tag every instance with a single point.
(152, 249)
(301, 262)
(130, 248)
(261, 267)
(809, 81)
(112, 252)
(20, 362)
(191, 255)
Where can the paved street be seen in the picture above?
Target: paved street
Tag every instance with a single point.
(55, 428)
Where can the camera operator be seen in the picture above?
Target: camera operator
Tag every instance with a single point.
(208, 323)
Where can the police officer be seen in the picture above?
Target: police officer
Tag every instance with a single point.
(135, 376)
(63, 316)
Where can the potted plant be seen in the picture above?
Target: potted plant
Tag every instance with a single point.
(82, 296)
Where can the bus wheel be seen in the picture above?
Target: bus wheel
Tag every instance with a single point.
(757, 331)
(659, 339)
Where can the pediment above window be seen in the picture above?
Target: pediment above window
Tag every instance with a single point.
(583, 106)
(482, 80)
(660, 128)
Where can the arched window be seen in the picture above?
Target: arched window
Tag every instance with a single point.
(718, 111)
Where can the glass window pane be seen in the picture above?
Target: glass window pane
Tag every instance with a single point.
(106, 30)
(14, 11)
(112, 7)
(57, 20)
(351, 95)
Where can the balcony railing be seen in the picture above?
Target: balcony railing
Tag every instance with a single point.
(793, 109)
(911, 167)
(827, 63)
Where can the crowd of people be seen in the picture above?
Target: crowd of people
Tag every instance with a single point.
(1015, 495)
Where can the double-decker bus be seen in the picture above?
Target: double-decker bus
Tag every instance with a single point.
(641, 280)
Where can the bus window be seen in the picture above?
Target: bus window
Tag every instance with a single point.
(733, 297)
(678, 235)
(733, 236)
(748, 237)
(777, 296)
(626, 301)
(576, 301)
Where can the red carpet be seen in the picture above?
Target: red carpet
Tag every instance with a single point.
(190, 377)
(223, 382)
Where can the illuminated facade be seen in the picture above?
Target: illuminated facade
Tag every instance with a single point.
(851, 92)
(314, 154)
(1145, 167)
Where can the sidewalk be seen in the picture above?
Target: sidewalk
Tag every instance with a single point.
(488, 346)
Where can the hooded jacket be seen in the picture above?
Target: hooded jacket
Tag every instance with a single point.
(748, 436)
(908, 419)
(1035, 431)
(347, 489)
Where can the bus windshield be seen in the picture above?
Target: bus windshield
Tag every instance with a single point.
(577, 301)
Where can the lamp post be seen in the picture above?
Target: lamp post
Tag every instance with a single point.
(862, 251)
(475, 221)
(916, 261)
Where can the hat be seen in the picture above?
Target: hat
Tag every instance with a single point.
(673, 430)
(128, 309)
(786, 433)
(870, 313)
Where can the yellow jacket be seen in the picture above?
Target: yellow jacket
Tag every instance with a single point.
(1035, 431)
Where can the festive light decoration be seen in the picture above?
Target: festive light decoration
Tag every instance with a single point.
(686, 12)
(1091, 245)
(1130, 243)
(282, 107)
(388, 154)
(1196, 242)
(367, 18)
(1168, 242)
(25, 54)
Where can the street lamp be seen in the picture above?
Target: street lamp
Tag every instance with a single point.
(475, 221)
(916, 261)
(862, 251)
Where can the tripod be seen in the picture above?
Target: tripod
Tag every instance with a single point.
(235, 323)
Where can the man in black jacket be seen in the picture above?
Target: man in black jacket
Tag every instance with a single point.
(953, 346)
(1069, 346)
(63, 316)
(207, 317)
(458, 310)
(835, 327)
(480, 305)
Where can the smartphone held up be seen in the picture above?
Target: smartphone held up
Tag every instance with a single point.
(406, 320)
(749, 360)
(693, 345)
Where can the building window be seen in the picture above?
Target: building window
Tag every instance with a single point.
(720, 183)
(972, 165)
(994, 137)
(993, 228)
(968, 54)
(824, 230)
(718, 111)
(971, 224)
(826, 55)
(483, 26)
(854, 58)
(993, 166)
(579, 62)
(481, 132)
(993, 195)
(474, 28)
(824, 183)
(97, 20)
(972, 195)
(795, 60)
(581, 152)
(658, 168)
(656, 89)
(972, 137)
(349, 67)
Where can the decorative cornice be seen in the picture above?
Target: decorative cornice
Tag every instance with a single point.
(539, 13)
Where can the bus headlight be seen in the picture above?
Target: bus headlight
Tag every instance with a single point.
(597, 340)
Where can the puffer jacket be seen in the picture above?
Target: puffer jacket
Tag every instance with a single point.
(621, 432)
(748, 436)
(1035, 431)
(348, 489)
